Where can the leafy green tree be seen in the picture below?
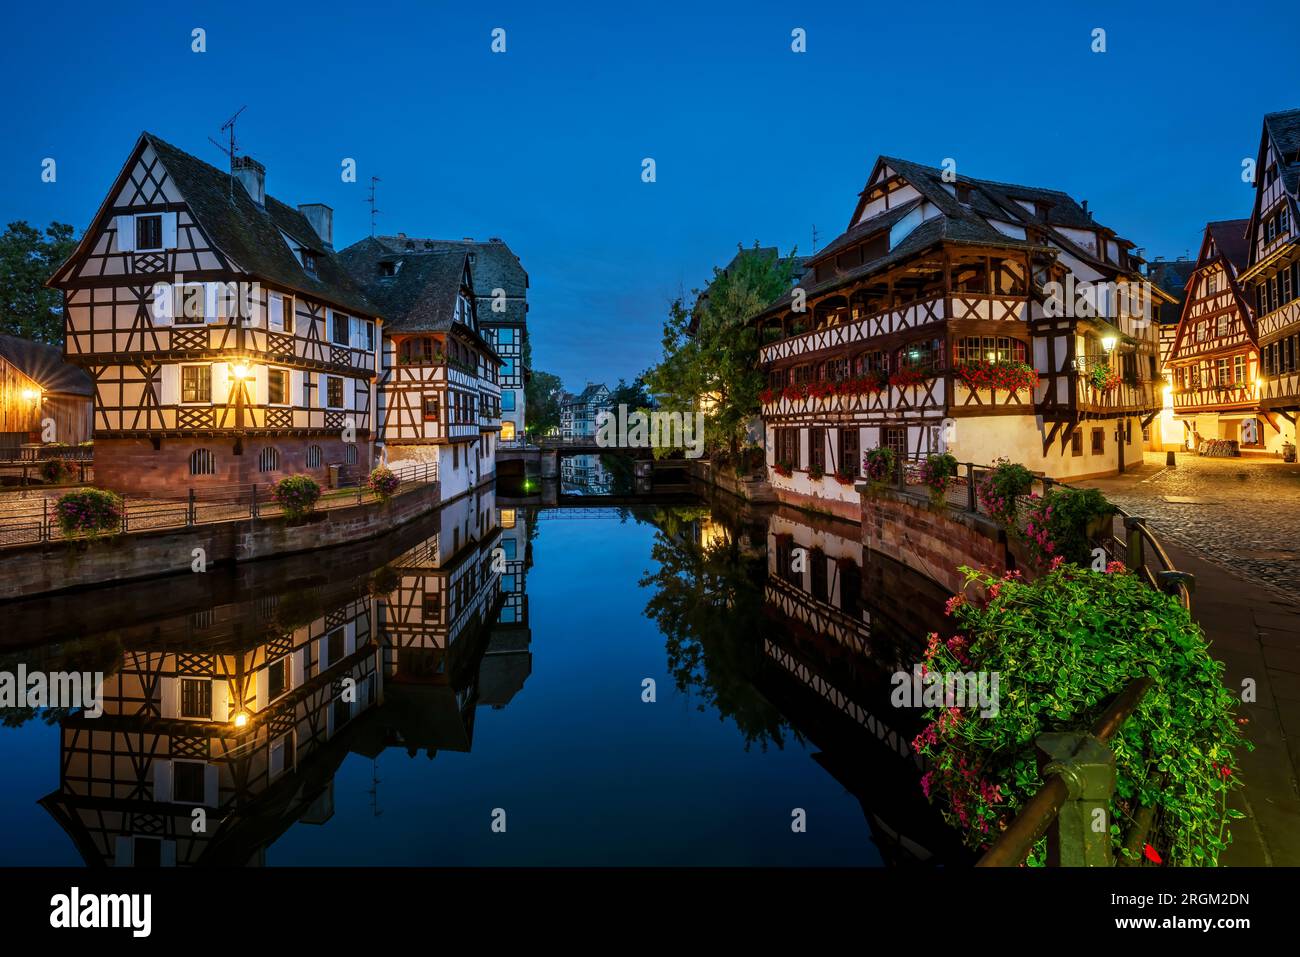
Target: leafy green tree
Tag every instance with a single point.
(542, 400)
(710, 348)
(28, 258)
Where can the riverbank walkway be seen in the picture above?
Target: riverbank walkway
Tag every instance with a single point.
(1206, 517)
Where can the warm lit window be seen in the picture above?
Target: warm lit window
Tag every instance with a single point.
(430, 408)
(507, 431)
(196, 383)
(277, 386)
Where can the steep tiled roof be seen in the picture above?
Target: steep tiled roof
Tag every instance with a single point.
(420, 297)
(1171, 275)
(1230, 238)
(493, 263)
(1284, 130)
(45, 366)
(250, 234)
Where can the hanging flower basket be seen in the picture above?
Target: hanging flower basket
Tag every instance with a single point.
(1103, 378)
(1007, 375)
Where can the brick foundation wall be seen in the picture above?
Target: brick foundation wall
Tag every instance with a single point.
(934, 543)
(135, 467)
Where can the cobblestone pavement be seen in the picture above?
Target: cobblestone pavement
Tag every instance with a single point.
(1239, 513)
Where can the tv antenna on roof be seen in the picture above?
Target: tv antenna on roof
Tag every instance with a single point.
(229, 127)
(814, 249)
(371, 200)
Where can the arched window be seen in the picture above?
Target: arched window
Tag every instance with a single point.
(350, 455)
(268, 460)
(314, 456)
(202, 462)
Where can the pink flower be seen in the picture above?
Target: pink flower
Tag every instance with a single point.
(955, 602)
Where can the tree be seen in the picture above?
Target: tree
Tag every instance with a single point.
(710, 360)
(27, 259)
(542, 403)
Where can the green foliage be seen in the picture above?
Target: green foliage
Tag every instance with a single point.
(383, 483)
(56, 470)
(28, 258)
(879, 464)
(91, 512)
(1000, 487)
(1058, 522)
(710, 350)
(542, 403)
(296, 495)
(1064, 646)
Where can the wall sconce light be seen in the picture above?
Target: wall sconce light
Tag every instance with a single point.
(241, 719)
(1108, 343)
(31, 395)
(239, 371)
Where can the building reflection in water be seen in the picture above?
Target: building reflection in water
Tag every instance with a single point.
(814, 660)
(224, 727)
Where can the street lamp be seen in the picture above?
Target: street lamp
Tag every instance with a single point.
(1108, 343)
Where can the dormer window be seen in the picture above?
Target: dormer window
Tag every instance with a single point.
(963, 193)
(387, 269)
(473, 258)
(308, 261)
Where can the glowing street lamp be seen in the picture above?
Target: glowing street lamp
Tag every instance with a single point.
(31, 395)
(241, 719)
(239, 371)
(1108, 343)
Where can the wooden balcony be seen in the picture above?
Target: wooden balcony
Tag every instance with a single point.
(1125, 398)
(914, 315)
(1215, 398)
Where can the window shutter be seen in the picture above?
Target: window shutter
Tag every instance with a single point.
(220, 700)
(297, 668)
(210, 301)
(349, 637)
(170, 690)
(171, 385)
(263, 690)
(168, 854)
(124, 851)
(162, 780)
(169, 230)
(349, 393)
(221, 384)
(275, 312)
(126, 234)
(322, 654)
(210, 785)
(261, 391)
(295, 387)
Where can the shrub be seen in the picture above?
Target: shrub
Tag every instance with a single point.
(1058, 523)
(296, 495)
(878, 465)
(999, 488)
(937, 473)
(1063, 646)
(382, 482)
(92, 512)
(816, 472)
(55, 471)
(844, 476)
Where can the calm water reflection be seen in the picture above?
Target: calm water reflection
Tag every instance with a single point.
(385, 704)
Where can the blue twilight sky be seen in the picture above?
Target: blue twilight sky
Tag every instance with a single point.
(543, 145)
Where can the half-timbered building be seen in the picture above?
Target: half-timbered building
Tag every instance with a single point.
(1214, 360)
(439, 394)
(226, 343)
(1272, 273)
(42, 397)
(954, 313)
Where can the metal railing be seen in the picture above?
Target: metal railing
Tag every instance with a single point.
(1126, 538)
(1078, 769)
(28, 521)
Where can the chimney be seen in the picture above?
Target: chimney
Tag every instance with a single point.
(401, 235)
(467, 239)
(321, 218)
(252, 175)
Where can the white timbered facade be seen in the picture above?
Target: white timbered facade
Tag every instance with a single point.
(439, 395)
(1272, 274)
(226, 344)
(936, 289)
(1213, 362)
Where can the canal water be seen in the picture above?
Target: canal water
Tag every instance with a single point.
(497, 684)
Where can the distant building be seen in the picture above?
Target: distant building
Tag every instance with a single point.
(579, 414)
(42, 397)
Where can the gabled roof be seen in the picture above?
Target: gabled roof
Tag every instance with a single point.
(421, 295)
(1232, 241)
(1171, 275)
(1284, 130)
(45, 366)
(587, 395)
(494, 265)
(248, 234)
(968, 222)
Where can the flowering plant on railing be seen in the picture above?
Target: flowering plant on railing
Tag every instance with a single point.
(878, 466)
(794, 392)
(873, 383)
(844, 476)
(937, 473)
(784, 469)
(999, 489)
(906, 377)
(296, 495)
(383, 484)
(1063, 523)
(90, 512)
(768, 396)
(1103, 377)
(55, 470)
(821, 390)
(1176, 753)
(1003, 374)
(816, 472)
